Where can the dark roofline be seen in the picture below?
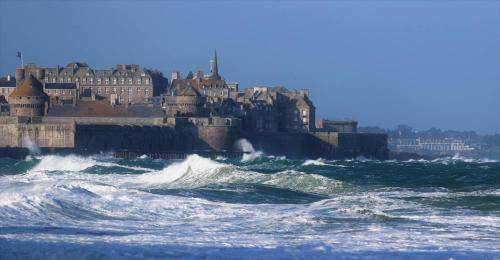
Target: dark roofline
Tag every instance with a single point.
(60, 86)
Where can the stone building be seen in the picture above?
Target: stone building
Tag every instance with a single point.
(341, 126)
(261, 110)
(7, 85)
(213, 85)
(129, 82)
(185, 101)
(28, 99)
(62, 93)
(297, 112)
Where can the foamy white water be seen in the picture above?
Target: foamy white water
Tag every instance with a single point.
(200, 207)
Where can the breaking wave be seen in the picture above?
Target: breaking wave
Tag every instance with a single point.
(198, 207)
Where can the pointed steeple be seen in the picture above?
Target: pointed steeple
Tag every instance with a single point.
(213, 66)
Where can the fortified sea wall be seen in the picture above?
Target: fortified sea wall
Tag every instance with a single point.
(141, 135)
(178, 135)
(332, 145)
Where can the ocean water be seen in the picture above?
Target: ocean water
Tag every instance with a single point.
(60, 207)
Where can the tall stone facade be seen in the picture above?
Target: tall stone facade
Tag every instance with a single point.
(128, 82)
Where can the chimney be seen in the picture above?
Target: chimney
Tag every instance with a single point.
(19, 76)
(176, 75)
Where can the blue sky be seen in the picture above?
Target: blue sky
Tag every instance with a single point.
(423, 63)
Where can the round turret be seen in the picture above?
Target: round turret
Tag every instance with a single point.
(188, 102)
(28, 99)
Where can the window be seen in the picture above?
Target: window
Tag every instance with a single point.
(304, 112)
(68, 80)
(84, 80)
(147, 82)
(106, 81)
(129, 81)
(130, 91)
(107, 90)
(99, 81)
(63, 91)
(77, 79)
(53, 80)
(138, 91)
(61, 80)
(146, 90)
(114, 90)
(122, 90)
(114, 81)
(122, 81)
(91, 80)
(46, 79)
(99, 90)
(139, 81)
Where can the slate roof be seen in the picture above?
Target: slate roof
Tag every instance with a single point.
(189, 90)
(30, 87)
(102, 108)
(8, 83)
(60, 86)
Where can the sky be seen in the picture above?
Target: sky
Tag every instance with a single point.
(383, 63)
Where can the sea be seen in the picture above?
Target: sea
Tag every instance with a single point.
(256, 207)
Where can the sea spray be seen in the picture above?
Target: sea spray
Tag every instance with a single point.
(200, 208)
(30, 145)
(249, 153)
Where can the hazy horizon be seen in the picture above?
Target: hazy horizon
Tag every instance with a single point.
(383, 63)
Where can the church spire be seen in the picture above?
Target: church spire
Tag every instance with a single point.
(213, 66)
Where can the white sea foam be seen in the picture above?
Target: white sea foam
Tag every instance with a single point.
(249, 153)
(67, 163)
(115, 211)
(32, 146)
(318, 162)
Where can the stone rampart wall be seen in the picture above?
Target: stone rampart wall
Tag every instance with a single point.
(43, 135)
(106, 120)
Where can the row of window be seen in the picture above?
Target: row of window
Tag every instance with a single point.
(61, 91)
(122, 90)
(27, 105)
(6, 90)
(99, 81)
(214, 92)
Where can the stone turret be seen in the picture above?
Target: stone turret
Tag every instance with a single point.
(28, 99)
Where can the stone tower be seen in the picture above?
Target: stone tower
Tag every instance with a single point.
(28, 99)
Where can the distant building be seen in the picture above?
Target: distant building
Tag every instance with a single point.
(437, 146)
(341, 126)
(278, 109)
(129, 83)
(7, 85)
(213, 85)
(62, 93)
